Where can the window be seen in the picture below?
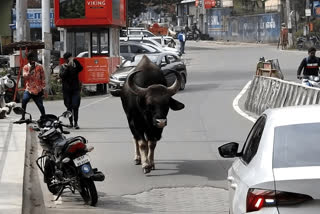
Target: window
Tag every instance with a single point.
(124, 49)
(251, 145)
(172, 58)
(135, 49)
(296, 145)
(72, 9)
(163, 61)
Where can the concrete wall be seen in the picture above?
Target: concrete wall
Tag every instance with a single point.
(253, 28)
(266, 92)
(5, 17)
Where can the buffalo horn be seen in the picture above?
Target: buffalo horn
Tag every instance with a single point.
(174, 88)
(137, 90)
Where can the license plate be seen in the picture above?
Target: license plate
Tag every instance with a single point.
(81, 160)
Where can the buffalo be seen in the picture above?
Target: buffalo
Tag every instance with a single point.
(146, 100)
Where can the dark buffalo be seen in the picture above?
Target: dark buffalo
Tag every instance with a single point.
(146, 100)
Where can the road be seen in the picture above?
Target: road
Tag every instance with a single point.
(190, 177)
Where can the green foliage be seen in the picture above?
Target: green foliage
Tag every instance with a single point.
(135, 8)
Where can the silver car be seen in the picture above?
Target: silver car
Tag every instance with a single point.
(278, 168)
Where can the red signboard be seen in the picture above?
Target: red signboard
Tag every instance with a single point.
(95, 70)
(90, 13)
(209, 4)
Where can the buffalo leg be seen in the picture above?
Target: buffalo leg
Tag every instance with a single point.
(137, 156)
(151, 146)
(143, 146)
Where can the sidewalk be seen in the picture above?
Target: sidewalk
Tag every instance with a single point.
(12, 157)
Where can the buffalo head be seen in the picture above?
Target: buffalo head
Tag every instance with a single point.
(156, 99)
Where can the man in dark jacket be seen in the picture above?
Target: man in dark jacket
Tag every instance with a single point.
(310, 64)
(71, 88)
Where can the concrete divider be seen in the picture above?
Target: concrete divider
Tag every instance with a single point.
(268, 92)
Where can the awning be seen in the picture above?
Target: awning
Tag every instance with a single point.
(187, 1)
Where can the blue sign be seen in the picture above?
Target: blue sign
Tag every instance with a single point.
(33, 17)
(316, 8)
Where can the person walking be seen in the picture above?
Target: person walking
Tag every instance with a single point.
(71, 87)
(182, 40)
(310, 64)
(34, 78)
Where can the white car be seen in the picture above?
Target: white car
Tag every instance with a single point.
(278, 168)
(150, 40)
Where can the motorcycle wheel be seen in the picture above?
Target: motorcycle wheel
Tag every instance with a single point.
(88, 191)
(49, 177)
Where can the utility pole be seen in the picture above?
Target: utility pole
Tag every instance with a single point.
(47, 39)
(307, 17)
(21, 20)
(289, 24)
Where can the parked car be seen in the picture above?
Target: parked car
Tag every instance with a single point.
(277, 170)
(136, 31)
(129, 49)
(167, 61)
(161, 49)
(149, 40)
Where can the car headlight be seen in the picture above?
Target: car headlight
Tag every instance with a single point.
(113, 77)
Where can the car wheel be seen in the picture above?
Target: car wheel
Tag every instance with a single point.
(183, 82)
(115, 93)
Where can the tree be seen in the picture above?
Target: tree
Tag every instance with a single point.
(165, 6)
(135, 8)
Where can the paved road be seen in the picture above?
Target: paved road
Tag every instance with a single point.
(190, 175)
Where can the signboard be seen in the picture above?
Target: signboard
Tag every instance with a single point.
(308, 12)
(316, 8)
(33, 17)
(208, 4)
(90, 13)
(95, 70)
(212, 3)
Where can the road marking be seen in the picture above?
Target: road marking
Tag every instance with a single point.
(90, 104)
(236, 103)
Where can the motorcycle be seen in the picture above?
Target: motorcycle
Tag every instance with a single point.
(64, 162)
(312, 81)
(7, 88)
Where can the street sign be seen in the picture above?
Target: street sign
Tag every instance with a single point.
(308, 12)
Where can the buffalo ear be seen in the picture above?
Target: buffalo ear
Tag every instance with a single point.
(175, 105)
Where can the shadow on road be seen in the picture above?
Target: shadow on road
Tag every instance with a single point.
(200, 87)
(212, 169)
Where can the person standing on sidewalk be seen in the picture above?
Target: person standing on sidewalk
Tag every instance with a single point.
(69, 74)
(182, 40)
(35, 83)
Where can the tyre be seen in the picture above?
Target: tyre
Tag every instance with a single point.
(183, 83)
(115, 93)
(49, 178)
(88, 191)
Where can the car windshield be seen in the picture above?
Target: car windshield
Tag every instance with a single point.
(137, 58)
(296, 145)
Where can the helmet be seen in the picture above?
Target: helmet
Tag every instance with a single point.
(8, 82)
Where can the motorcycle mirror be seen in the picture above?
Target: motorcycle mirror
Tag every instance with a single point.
(18, 110)
(67, 114)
